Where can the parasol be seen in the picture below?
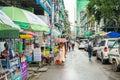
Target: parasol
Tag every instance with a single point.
(25, 19)
(60, 40)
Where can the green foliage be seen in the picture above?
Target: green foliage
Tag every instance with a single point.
(106, 9)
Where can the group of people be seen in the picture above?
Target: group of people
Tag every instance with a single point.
(70, 45)
(62, 50)
(60, 59)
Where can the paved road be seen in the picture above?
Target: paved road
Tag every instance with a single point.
(78, 67)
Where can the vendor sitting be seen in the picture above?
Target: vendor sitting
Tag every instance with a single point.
(5, 52)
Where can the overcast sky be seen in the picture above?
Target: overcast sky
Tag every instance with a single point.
(70, 6)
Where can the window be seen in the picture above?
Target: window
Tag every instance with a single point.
(116, 45)
(110, 43)
(102, 43)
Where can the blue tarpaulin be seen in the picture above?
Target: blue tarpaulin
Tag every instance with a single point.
(113, 35)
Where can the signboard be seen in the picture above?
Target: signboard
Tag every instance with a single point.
(37, 54)
(2, 46)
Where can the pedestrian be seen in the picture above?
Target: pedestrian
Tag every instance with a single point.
(62, 53)
(90, 46)
(73, 45)
(5, 53)
(69, 46)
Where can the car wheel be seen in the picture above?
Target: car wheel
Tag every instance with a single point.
(114, 66)
(94, 53)
(102, 60)
(97, 56)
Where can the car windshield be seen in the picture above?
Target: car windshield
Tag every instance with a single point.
(116, 44)
(111, 42)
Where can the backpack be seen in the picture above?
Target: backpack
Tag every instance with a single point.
(89, 48)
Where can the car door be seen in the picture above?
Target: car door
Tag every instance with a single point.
(100, 48)
(119, 51)
(114, 51)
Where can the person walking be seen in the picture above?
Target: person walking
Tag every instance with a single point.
(69, 45)
(73, 45)
(62, 53)
(90, 46)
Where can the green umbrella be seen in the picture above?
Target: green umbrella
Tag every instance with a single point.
(24, 19)
(7, 31)
(88, 33)
(38, 28)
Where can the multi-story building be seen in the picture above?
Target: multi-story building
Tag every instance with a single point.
(80, 16)
(45, 9)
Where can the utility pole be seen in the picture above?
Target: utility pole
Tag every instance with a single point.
(52, 25)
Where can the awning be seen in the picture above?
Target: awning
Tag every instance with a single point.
(28, 33)
(26, 36)
(31, 33)
(113, 35)
(7, 31)
(25, 19)
(88, 33)
(6, 20)
(38, 28)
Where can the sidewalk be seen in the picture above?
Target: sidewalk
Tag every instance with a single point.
(34, 71)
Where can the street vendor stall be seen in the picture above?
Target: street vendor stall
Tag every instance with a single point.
(28, 46)
(10, 63)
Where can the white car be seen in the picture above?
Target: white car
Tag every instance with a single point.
(103, 49)
(114, 56)
(83, 43)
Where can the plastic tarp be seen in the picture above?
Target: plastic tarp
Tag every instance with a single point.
(113, 35)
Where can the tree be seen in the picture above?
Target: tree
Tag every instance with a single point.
(109, 10)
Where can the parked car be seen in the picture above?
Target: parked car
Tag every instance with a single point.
(103, 49)
(96, 42)
(82, 43)
(95, 50)
(114, 56)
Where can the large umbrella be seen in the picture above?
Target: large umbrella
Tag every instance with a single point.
(60, 40)
(24, 18)
(6, 20)
(113, 34)
(7, 31)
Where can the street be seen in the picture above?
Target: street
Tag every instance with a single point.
(78, 67)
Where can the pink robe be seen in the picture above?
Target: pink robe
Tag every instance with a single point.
(62, 54)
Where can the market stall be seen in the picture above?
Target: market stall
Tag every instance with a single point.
(10, 64)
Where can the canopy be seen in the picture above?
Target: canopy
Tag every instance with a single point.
(8, 32)
(60, 40)
(26, 36)
(31, 33)
(113, 35)
(88, 33)
(24, 18)
(6, 20)
(38, 28)
(28, 33)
